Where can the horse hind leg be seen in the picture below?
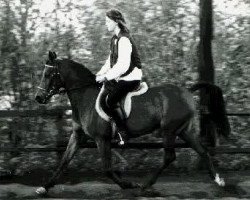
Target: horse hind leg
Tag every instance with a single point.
(169, 152)
(189, 137)
(169, 157)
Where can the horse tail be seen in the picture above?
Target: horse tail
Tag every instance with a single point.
(215, 105)
(202, 85)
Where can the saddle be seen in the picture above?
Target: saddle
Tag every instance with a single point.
(125, 104)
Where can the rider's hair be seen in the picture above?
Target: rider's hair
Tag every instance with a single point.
(117, 16)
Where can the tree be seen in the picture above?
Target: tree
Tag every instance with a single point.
(206, 67)
(9, 49)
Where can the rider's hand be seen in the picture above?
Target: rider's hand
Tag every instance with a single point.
(100, 78)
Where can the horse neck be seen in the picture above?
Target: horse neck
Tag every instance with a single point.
(75, 76)
(83, 99)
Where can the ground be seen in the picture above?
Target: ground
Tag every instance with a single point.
(169, 186)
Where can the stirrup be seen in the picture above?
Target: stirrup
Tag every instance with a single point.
(121, 142)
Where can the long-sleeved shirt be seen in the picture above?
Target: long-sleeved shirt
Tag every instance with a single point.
(122, 64)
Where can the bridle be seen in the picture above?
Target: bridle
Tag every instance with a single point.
(61, 89)
(52, 90)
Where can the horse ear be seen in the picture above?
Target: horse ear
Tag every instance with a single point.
(52, 56)
(54, 53)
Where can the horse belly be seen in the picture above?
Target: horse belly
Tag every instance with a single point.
(144, 117)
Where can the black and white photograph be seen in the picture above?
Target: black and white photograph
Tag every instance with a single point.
(136, 99)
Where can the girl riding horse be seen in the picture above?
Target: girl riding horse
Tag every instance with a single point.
(166, 108)
(122, 70)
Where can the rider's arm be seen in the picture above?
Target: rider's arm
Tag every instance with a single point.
(104, 68)
(123, 60)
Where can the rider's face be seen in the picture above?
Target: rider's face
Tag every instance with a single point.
(110, 24)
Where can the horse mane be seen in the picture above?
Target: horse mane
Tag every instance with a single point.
(80, 75)
(80, 68)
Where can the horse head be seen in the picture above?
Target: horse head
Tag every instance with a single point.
(60, 76)
(51, 82)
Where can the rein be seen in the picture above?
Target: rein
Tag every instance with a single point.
(78, 88)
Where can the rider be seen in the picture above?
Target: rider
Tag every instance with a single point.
(122, 71)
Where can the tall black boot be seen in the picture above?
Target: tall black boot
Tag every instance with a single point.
(119, 119)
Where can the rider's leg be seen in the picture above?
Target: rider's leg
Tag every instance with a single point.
(103, 102)
(120, 91)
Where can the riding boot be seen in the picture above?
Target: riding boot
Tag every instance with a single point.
(119, 119)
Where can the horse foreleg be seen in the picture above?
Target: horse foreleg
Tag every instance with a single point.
(169, 157)
(67, 157)
(121, 158)
(104, 147)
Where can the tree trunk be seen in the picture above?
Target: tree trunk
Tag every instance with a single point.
(206, 67)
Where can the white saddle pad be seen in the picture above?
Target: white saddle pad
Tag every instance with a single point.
(127, 102)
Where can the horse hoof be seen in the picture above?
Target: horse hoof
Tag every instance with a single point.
(144, 187)
(130, 185)
(219, 181)
(41, 191)
(222, 183)
(136, 185)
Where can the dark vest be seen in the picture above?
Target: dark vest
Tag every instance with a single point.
(135, 58)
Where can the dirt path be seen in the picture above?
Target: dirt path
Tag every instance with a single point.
(169, 186)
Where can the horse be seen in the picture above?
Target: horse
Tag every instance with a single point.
(167, 108)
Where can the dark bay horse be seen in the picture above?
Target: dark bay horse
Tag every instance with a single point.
(167, 108)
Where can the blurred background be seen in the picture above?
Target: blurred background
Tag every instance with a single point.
(167, 36)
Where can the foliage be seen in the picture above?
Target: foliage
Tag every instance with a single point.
(166, 32)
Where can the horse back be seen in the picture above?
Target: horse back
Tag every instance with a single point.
(160, 106)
